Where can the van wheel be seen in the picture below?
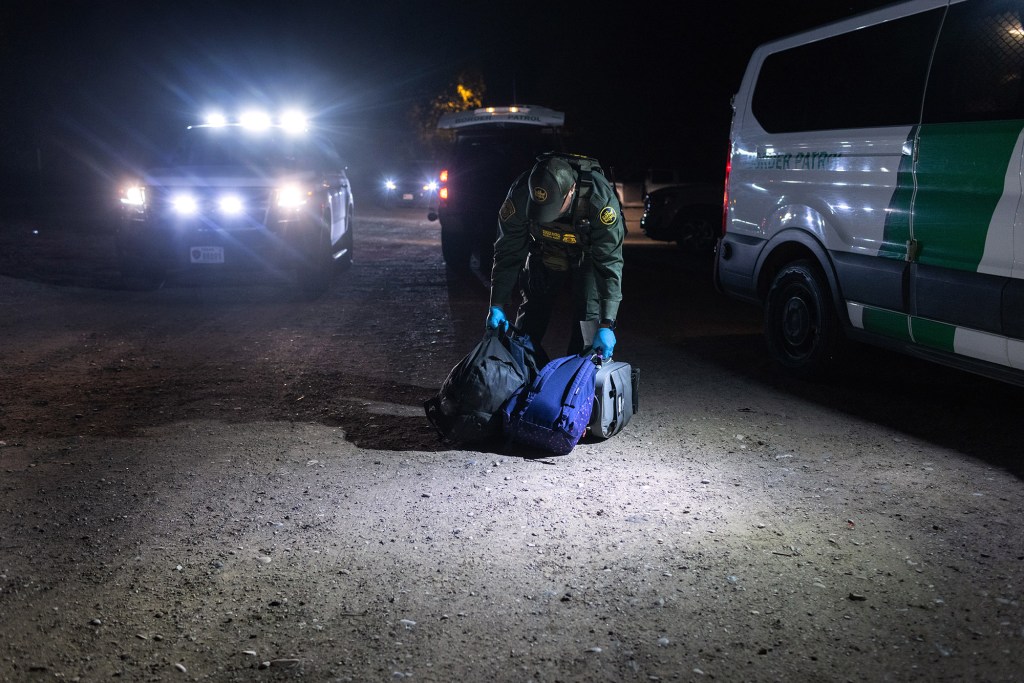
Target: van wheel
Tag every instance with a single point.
(455, 249)
(485, 254)
(801, 325)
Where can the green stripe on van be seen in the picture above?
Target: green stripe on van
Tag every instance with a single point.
(933, 334)
(961, 171)
(897, 218)
(886, 323)
(906, 328)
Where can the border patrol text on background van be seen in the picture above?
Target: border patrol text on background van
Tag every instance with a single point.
(874, 183)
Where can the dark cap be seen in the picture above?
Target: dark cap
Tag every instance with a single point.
(550, 181)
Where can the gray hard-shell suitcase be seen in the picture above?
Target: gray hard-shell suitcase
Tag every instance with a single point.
(615, 398)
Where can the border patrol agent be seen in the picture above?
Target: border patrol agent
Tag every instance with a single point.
(560, 221)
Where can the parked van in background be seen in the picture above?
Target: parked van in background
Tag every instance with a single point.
(491, 147)
(873, 188)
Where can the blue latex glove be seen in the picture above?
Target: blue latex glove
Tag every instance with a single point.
(496, 318)
(604, 343)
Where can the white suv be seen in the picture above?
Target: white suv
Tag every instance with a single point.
(242, 195)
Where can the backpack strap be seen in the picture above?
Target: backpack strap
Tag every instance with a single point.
(585, 370)
(532, 389)
(581, 202)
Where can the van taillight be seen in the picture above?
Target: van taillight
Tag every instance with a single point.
(725, 196)
(442, 190)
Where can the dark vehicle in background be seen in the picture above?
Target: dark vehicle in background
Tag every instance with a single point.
(689, 214)
(411, 184)
(491, 147)
(657, 178)
(251, 194)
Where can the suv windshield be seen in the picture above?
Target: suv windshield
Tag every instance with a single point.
(234, 146)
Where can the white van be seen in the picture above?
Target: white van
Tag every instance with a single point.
(873, 188)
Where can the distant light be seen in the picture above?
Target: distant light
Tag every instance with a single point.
(255, 120)
(514, 109)
(294, 121)
(216, 119)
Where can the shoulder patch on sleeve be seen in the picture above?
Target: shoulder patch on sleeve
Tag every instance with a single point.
(507, 210)
(608, 215)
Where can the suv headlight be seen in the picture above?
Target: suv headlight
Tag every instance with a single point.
(133, 195)
(231, 205)
(185, 204)
(292, 197)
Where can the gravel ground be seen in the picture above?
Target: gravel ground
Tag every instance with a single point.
(223, 482)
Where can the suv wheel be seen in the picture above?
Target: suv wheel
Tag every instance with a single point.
(314, 273)
(347, 243)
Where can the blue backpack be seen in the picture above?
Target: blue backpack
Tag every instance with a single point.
(552, 412)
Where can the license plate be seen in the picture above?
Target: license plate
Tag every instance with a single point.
(407, 197)
(206, 254)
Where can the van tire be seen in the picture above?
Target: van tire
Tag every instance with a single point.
(455, 249)
(800, 324)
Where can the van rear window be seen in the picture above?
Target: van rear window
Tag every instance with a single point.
(873, 76)
(978, 72)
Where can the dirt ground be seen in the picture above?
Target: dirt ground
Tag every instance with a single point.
(224, 482)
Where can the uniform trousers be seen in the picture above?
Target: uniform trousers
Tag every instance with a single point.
(540, 286)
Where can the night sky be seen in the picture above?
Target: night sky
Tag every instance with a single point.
(104, 83)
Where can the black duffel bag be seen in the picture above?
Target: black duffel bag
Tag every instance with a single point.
(467, 408)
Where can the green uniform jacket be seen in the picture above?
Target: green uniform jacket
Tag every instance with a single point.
(516, 235)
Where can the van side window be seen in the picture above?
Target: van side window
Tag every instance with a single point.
(873, 76)
(978, 72)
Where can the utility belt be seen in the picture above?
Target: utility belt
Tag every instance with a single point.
(562, 247)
